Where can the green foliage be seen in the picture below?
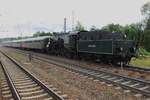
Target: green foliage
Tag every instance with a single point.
(146, 40)
(79, 27)
(147, 23)
(134, 32)
(18, 38)
(42, 34)
(143, 59)
(143, 52)
(146, 36)
(113, 28)
(141, 62)
(94, 28)
(145, 10)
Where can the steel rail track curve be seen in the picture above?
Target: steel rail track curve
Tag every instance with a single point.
(127, 67)
(14, 85)
(133, 84)
(13, 89)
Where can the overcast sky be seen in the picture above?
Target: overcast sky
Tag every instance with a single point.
(28, 16)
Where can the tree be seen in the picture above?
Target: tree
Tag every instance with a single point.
(145, 10)
(79, 27)
(146, 40)
(42, 34)
(93, 28)
(133, 31)
(113, 28)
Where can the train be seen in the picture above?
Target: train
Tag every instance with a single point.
(111, 47)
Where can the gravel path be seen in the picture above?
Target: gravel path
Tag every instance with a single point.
(75, 86)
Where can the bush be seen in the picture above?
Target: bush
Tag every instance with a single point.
(146, 40)
(143, 52)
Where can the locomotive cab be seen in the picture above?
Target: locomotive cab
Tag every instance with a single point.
(106, 46)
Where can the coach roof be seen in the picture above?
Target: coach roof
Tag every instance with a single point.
(30, 39)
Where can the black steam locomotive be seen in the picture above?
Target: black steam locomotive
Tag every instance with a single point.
(105, 46)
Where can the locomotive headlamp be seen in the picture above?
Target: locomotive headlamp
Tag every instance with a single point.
(134, 48)
(47, 45)
(125, 36)
(121, 49)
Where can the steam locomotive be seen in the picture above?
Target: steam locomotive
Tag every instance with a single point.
(105, 46)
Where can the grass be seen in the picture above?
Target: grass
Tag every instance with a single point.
(141, 62)
(143, 59)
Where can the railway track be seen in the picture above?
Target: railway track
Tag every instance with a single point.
(20, 84)
(137, 68)
(137, 86)
(126, 67)
(5, 90)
